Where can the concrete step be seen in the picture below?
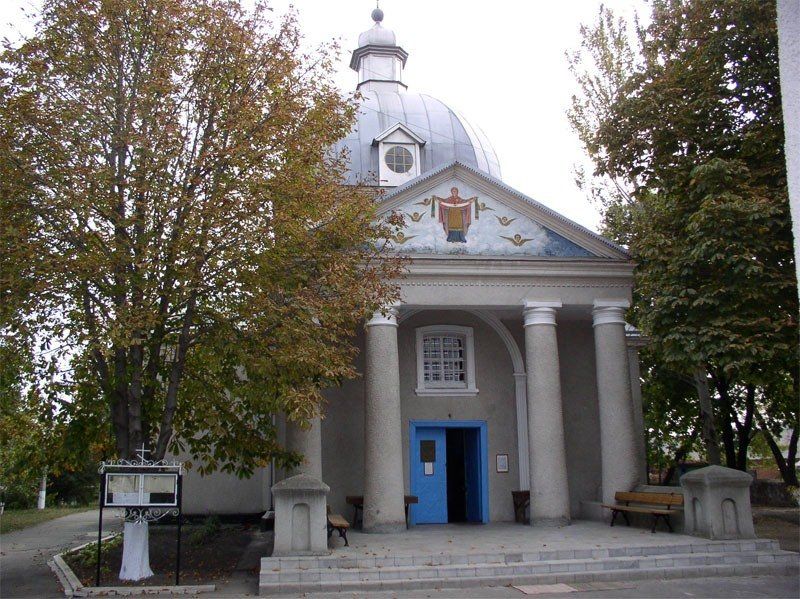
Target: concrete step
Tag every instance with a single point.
(774, 569)
(342, 560)
(522, 568)
(675, 565)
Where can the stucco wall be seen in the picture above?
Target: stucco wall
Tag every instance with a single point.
(343, 439)
(581, 414)
(221, 493)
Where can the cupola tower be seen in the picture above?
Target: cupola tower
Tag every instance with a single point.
(378, 60)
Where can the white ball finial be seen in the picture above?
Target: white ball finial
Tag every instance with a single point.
(377, 15)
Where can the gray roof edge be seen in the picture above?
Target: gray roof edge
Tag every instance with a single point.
(495, 181)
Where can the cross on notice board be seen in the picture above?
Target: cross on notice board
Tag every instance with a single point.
(141, 451)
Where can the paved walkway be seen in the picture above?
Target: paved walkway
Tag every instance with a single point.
(722, 587)
(24, 553)
(502, 537)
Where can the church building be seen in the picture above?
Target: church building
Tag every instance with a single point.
(505, 366)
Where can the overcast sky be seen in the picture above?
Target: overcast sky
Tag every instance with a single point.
(501, 64)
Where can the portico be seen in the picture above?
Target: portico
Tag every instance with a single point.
(539, 432)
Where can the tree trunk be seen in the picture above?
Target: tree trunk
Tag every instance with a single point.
(135, 551)
(42, 499)
(679, 456)
(785, 465)
(726, 420)
(744, 431)
(708, 429)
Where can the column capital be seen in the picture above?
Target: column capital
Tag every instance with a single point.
(609, 311)
(386, 316)
(540, 312)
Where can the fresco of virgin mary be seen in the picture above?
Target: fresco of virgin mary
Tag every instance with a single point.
(455, 214)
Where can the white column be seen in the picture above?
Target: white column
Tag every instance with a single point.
(523, 454)
(548, 460)
(307, 442)
(384, 507)
(618, 447)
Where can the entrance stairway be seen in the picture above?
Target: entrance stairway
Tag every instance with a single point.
(420, 571)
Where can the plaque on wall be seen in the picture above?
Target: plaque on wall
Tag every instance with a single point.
(427, 451)
(502, 462)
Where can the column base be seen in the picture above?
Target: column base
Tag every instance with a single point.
(385, 528)
(550, 522)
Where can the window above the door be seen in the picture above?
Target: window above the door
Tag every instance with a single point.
(445, 361)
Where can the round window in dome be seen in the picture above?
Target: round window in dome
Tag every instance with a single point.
(399, 159)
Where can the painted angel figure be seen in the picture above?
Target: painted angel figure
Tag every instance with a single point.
(455, 214)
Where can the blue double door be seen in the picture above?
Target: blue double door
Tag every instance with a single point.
(447, 474)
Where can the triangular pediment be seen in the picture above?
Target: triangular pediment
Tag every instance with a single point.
(456, 210)
(398, 133)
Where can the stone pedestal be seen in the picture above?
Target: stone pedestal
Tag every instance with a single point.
(384, 489)
(301, 522)
(547, 458)
(717, 503)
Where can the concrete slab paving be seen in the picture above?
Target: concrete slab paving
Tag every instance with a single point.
(499, 537)
(782, 587)
(24, 553)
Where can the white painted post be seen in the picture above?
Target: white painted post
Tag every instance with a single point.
(42, 500)
(135, 551)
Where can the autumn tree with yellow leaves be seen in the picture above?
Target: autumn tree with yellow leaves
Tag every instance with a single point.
(177, 247)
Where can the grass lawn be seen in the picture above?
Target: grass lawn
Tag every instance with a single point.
(17, 519)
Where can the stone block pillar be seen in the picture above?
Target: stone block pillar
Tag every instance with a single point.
(309, 443)
(717, 503)
(301, 521)
(384, 489)
(547, 451)
(619, 448)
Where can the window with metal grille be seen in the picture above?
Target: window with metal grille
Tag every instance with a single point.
(443, 361)
(399, 159)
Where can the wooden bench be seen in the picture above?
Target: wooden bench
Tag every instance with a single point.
(646, 503)
(339, 524)
(522, 500)
(357, 501)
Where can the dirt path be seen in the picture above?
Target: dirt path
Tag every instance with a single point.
(779, 523)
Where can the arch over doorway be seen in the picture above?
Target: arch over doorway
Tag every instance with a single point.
(520, 383)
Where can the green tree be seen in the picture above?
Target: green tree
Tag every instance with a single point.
(22, 437)
(670, 413)
(174, 231)
(682, 120)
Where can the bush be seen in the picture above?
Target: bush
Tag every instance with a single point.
(209, 529)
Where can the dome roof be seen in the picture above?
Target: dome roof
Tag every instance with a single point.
(448, 136)
(377, 36)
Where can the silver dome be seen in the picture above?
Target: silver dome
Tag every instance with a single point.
(448, 136)
(377, 36)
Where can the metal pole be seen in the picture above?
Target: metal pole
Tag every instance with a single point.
(100, 526)
(180, 521)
